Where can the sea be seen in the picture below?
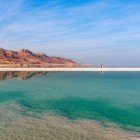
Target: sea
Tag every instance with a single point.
(69, 105)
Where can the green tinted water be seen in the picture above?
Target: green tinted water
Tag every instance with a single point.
(112, 97)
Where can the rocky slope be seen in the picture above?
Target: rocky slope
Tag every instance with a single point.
(26, 57)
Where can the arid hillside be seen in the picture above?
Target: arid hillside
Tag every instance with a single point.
(26, 57)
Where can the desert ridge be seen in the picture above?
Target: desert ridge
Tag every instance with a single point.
(26, 57)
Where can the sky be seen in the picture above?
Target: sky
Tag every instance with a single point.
(87, 31)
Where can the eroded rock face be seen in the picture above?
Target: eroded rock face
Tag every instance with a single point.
(26, 57)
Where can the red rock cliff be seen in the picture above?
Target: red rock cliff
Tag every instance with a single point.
(27, 57)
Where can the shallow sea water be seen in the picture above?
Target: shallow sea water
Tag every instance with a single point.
(69, 105)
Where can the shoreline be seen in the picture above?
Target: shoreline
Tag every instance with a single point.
(74, 69)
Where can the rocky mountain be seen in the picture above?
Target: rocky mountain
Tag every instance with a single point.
(26, 57)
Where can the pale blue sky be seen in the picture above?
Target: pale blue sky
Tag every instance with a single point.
(88, 31)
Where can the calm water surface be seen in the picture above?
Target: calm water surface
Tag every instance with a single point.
(112, 97)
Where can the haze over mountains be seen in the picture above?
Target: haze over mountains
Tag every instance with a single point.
(26, 57)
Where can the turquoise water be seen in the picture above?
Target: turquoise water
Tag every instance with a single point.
(109, 97)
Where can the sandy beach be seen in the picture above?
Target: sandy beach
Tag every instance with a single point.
(72, 69)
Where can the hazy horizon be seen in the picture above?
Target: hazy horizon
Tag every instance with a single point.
(88, 31)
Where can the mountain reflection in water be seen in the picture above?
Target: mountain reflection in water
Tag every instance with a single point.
(23, 75)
